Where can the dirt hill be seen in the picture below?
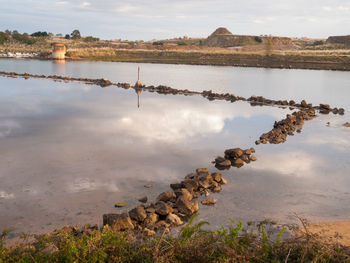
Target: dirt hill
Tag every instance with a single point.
(345, 40)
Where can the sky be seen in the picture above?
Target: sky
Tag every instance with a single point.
(163, 19)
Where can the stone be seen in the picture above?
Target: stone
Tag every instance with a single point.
(162, 224)
(252, 158)
(257, 142)
(346, 124)
(174, 220)
(138, 213)
(303, 104)
(248, 152)
(238, 163)
(148, 186)
(166, 196)
(325, 107)
(217, 189)
(209, 201)
(186, 206)
(245, 158)
(190, 184)
(151, 219)
(252, 150)
(234, 153)
(122, 204)
(143, 199)
(176, 186)
(150, 210)
(162, 208)
(202, 170)
(217, 177)
(118, 222)
(219, 159)
(147, 232)
(183, 192)
(223, 181)
(205, 181)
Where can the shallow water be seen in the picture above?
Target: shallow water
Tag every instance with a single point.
(70, 151)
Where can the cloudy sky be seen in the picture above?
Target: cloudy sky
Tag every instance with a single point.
(159, 19)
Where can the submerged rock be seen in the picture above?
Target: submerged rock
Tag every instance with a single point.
(209, 201)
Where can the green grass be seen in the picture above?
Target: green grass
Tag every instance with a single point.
(192, 244)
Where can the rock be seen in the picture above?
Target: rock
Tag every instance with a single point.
(247, 152)
(118, 221)
(252, 158)
(257, 142)
(147, 232)
(252, 150)
(209, 201)
(217, 177)
(217, 189)
(184, 192)
(224, 165)
(341, 111)
(325, 107)
(303, 104)
(143, 199)
(161, 224)
(148, 186)
(186, 206)
(191, 176)
(205, 181)
(162, 208)
(138, 213)
(245, 158)
(175, 186)
(150, 210)
(346, 124)
(234, 153)
(238, 163)
(191, 185)
(202, 170)
(223, 181)
(166, 196)
(174, 220)
(122, 204)
(219, 159)
(151, 219)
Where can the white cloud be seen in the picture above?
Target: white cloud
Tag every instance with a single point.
(293, 163)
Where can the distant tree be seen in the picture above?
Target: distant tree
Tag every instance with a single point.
(23, 38)
(50, 34)
(318, 42)
(59, 35)
(3, 37)
(40, 34)
(201, 42)
(157, 43)
(75, 34)
(258, 39)
(67, 36)
(91, 39)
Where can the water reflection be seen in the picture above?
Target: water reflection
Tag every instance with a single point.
(70, 151)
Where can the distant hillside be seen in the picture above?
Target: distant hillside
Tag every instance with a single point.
(345, 40)
(222, 37)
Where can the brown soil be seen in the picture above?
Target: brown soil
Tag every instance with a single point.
(338, 232)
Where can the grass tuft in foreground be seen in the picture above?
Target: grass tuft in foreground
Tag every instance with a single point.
(192, 244)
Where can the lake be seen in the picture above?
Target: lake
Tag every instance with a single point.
(70, 151)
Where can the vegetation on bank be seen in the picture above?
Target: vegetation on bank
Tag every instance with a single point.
(255, 243)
